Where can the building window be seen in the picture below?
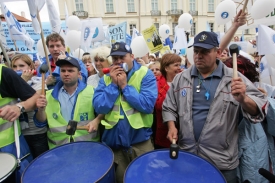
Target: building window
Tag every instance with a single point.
(193, 29)
(192, 5)
(174, 4)
(210, 5)
(246, 31)
(132, 26)
(109, 6)
(154, 4)
(79, 5)
(131, 5)
(157, 26)
(173, 27)
(211, 27)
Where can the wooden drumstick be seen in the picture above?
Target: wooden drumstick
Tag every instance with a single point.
(245, 5)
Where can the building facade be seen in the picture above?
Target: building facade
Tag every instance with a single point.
(143, 13)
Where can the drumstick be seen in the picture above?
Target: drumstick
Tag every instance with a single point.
(244, 5)
(43, 70)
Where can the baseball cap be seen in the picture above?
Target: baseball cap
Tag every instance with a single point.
(206, 40)
(68, 60)
(120, 49)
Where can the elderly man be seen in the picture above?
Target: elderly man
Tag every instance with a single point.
(127, 99)
(205, 102)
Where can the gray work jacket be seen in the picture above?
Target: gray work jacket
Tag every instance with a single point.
(218, 141)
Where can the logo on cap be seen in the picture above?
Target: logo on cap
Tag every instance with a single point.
(68, 58)
(127, 47)
(203, 37)
(116, 47)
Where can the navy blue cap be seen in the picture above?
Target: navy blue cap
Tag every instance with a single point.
(206, 40)
(120, 49)
(68, 60)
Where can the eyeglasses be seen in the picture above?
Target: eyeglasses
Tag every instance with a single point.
(99, 60)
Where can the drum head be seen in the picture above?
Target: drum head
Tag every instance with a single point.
(74, 162)
(7, 165)
(158, 167)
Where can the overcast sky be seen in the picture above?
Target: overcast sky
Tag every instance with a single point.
(18, 6)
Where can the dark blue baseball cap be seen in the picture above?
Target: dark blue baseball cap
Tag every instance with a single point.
(120, 49)
(68, 60)
(206, 40)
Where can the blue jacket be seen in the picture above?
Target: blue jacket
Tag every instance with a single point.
(122, 135)
(84, 72)
(256, 146)
(81, 86)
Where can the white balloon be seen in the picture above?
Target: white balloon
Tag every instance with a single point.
(225, 11)
(40, 48)
(73, 23)
(262, 8)
(185, 21)
(139, 47)
(164, 31)
(190, 51)
(73, 39)
(78, 53)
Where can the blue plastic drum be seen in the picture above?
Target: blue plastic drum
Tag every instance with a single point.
(79, 162)
(158, 167)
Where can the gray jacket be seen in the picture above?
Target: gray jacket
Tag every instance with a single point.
(218, 141)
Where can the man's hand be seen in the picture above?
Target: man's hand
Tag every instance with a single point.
(62, 55)
(93, 125)
(41, 103)
(240, 19)
(50, 80)
(172, 132)
(10, 112)
(238, 89)
(116, 71)
(122, 80)
(140, 61)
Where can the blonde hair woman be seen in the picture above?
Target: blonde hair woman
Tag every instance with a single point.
(101, 60)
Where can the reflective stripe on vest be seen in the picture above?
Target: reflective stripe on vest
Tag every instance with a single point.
(6, 127)
(83, 112)
(136, 119)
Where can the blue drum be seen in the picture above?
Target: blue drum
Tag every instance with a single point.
(158, 167)
(79, 162)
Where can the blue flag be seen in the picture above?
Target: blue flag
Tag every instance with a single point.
(168, 43)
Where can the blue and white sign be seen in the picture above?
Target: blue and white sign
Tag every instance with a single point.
(118, 33)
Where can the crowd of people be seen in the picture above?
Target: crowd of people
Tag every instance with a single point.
(134, 110)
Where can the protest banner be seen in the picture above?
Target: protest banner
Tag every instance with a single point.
(117, 33)
(152, 39)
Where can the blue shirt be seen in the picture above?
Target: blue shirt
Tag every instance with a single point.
(67, 102)
(122, 135)
(201, 105)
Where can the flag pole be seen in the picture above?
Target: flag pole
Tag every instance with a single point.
(43, 43)
(5, 53)
(14, 42)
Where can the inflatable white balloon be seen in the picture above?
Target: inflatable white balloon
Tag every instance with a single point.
(40, 48)
(139, 47)
(73, 23)
(73, 39)
(164, 31)
(190, 51)
(185, 21)
(225, 11)
(262, 8)
(78, 53)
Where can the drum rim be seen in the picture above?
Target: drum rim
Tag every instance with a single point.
(12, 170)
(165, 149)
(111, 166)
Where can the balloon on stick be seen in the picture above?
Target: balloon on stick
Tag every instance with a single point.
(164, 31)
(261, 8)
(185, 21)
(73, 39)
(78, 53)
(225, 11)
(139, 47)
(190, 52)
(73, 23)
